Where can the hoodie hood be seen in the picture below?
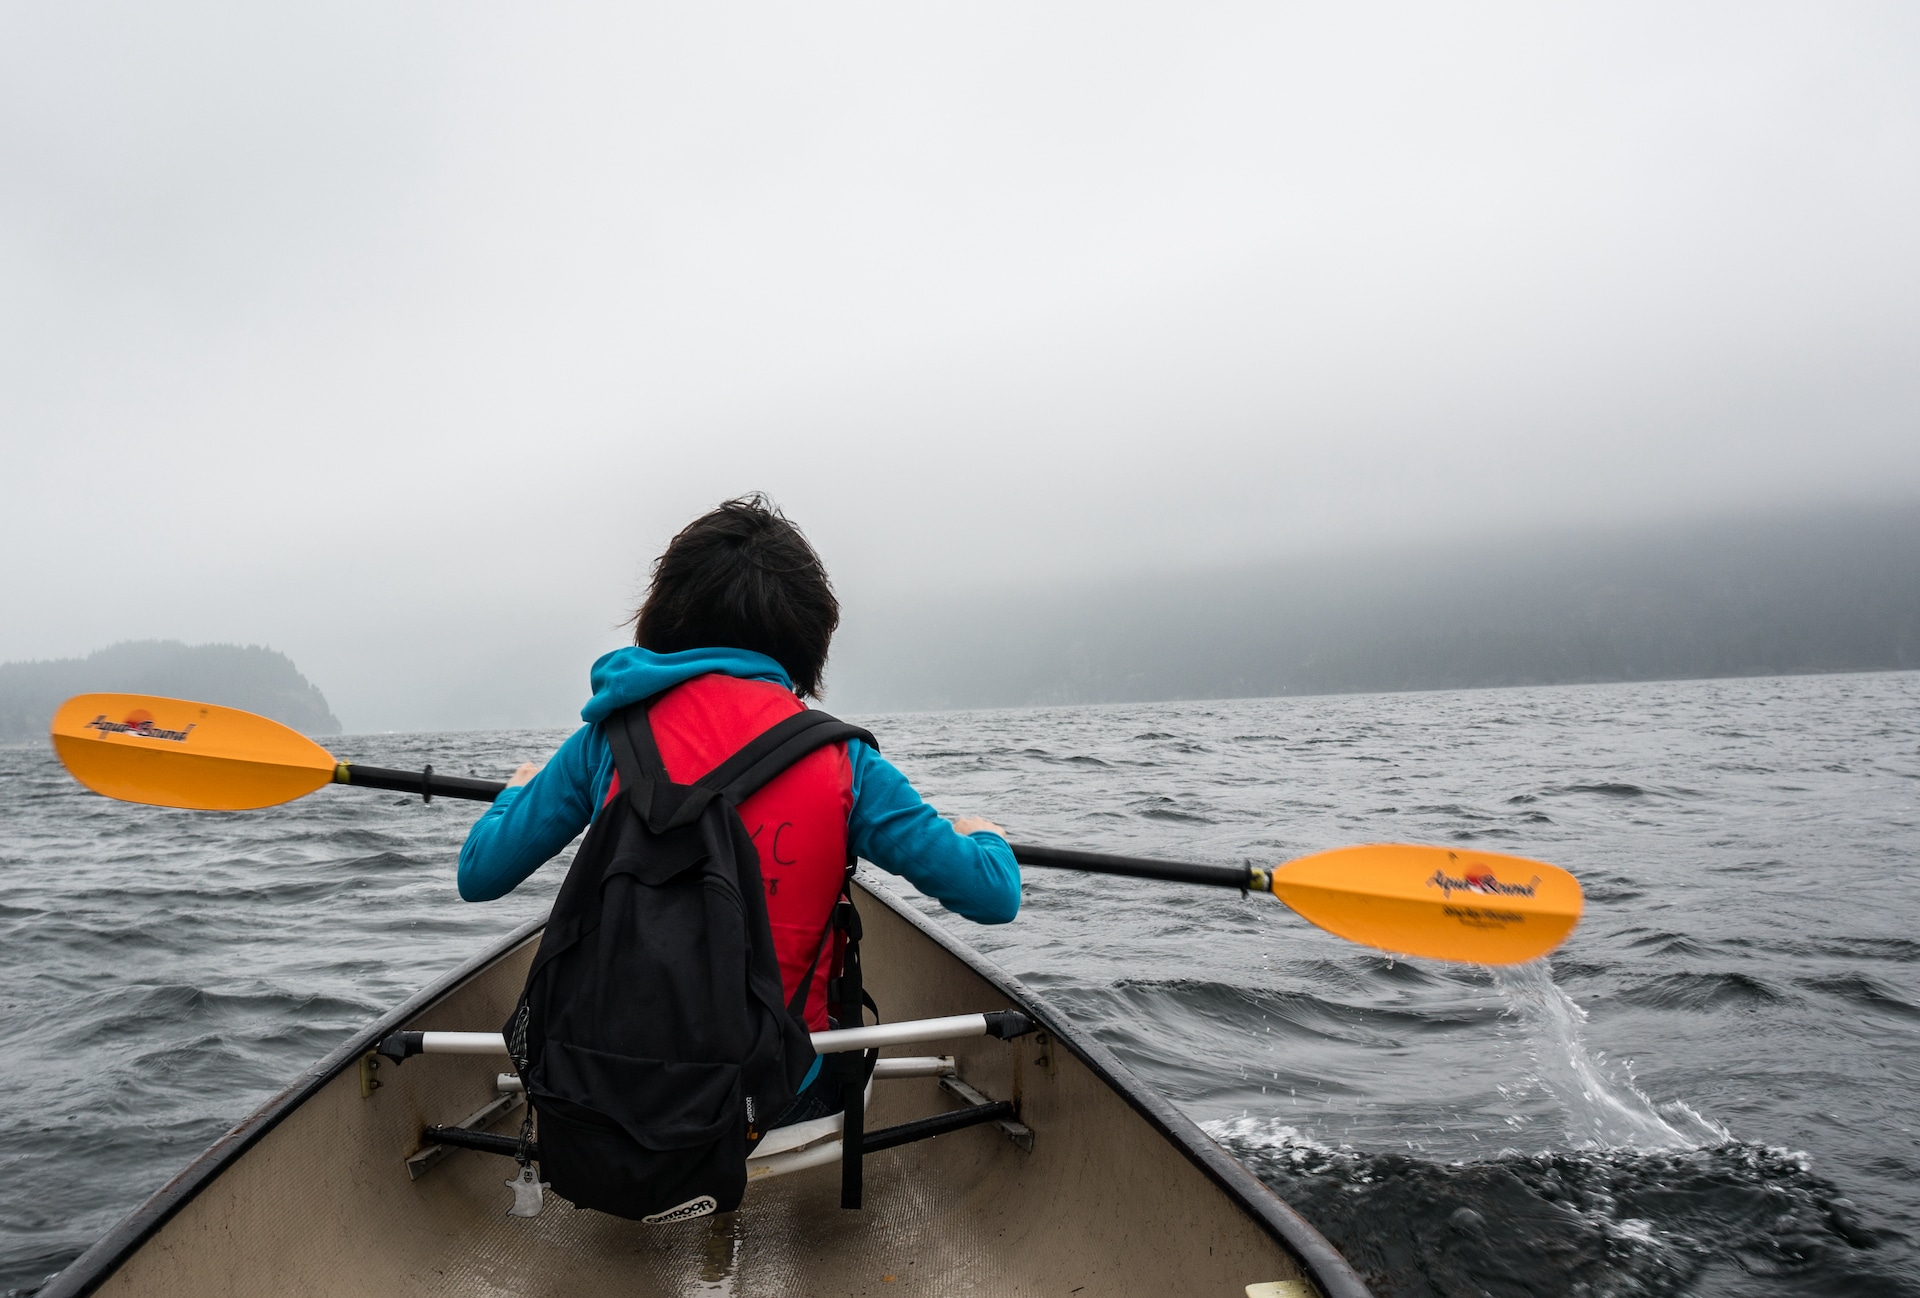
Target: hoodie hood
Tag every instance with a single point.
(631, 674)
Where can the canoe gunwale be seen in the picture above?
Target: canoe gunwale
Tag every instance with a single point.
(1328, 1268)
(88, 1271)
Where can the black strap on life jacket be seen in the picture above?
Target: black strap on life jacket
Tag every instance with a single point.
(847, 995)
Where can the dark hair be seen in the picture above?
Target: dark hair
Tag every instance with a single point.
(743, 577)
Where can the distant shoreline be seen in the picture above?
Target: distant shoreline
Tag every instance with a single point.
(1366, 694)
(1344, 694)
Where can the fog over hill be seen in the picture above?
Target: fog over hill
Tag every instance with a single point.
(1760, 595)
(1756, 595)
(237, 676)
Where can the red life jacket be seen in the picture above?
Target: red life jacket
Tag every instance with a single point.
(798, 819)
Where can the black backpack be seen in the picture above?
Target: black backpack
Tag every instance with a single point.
(653, 1036)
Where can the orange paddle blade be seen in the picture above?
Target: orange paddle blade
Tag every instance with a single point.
(1444, 903)
(173, 753)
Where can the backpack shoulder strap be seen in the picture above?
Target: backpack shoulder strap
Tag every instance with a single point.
(636, 755)
(644, 782)
(643, 774)
(777, 748)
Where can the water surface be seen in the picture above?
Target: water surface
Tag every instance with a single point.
(1707, 1091)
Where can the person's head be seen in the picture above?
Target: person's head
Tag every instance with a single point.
(743, 577)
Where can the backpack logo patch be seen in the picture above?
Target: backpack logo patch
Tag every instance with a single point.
(687, 1211)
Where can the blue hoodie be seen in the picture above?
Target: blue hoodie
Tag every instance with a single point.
(891, 825)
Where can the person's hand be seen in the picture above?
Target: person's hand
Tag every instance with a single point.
(974, 824)
(526, 771)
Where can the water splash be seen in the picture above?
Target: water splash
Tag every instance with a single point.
(1601, 1111)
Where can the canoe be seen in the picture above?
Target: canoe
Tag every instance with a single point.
(1079, 1180)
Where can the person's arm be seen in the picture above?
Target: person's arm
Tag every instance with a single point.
(974, 875)
(530, 824)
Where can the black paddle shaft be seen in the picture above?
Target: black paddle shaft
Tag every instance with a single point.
(1137, 867)
(429, 785)
(425, 783)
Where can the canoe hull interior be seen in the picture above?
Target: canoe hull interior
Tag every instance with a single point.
(1119, 1195)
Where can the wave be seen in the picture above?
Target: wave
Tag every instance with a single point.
(1618, 1222)
(1867, 993)
(1161, 807)
(1701, 992)
(129, 1012)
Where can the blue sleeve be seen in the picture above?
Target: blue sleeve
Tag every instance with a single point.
(528, 826)
(973, 875)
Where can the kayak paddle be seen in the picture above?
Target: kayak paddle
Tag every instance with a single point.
(1438, 902)
(1441, 902)
(173, 753)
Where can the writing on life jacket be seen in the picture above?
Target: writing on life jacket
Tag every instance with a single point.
(773, 853)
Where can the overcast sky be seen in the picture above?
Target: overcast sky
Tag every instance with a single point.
(400, 337)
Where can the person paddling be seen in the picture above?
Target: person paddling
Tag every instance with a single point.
(733, 633)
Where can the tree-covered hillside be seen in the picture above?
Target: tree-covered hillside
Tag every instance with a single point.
(239, 676)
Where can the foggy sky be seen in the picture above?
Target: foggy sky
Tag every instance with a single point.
(401, 337)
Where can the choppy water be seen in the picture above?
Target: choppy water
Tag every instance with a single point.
(1710, 1091)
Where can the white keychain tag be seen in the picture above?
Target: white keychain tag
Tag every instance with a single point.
(527, 1193)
